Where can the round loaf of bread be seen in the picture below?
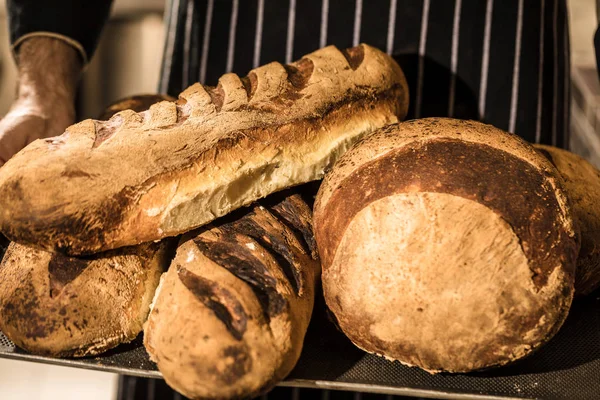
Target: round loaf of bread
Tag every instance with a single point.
(70, 307)
(582, 185)
(230, 315)
(446, 244)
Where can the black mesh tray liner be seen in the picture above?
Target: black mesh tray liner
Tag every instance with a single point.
(566, 368)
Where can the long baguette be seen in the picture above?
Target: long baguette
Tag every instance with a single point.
(144, 176)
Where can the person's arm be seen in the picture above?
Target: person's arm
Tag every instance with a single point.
(52, 41)
(48, 74)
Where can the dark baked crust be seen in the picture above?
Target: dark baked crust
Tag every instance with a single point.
(474, 171)
(246, 286)
(68, 307)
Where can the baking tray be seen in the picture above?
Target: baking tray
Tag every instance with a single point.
(568, 367)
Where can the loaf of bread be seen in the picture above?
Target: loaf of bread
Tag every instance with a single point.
(230, 315)
(144, 176)
(446, 244)
(582, 185)
(71, 307)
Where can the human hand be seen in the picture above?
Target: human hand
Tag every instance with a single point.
(31, 119)
(48, 74)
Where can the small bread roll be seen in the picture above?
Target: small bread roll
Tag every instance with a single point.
(582, 185)
(70, 307)
(230, 315)
(446, 244)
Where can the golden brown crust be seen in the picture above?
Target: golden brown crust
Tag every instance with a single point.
(137, 103)
(229, 318)
(582, 185)
(472, 207)
(62, 306)
(141, 177)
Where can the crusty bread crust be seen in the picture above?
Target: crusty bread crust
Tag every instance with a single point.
(137, 103)
(423, 130)
(473, 208)
(454, 146)
(143, 176)
(70, 307)
(582, 185)
(230, 315)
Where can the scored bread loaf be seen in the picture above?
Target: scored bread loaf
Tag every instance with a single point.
(144, 176)
(446, 244)
(582, 185)
(60, 306)
(229, 317)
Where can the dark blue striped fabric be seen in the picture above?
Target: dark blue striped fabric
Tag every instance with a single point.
(503, 62)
